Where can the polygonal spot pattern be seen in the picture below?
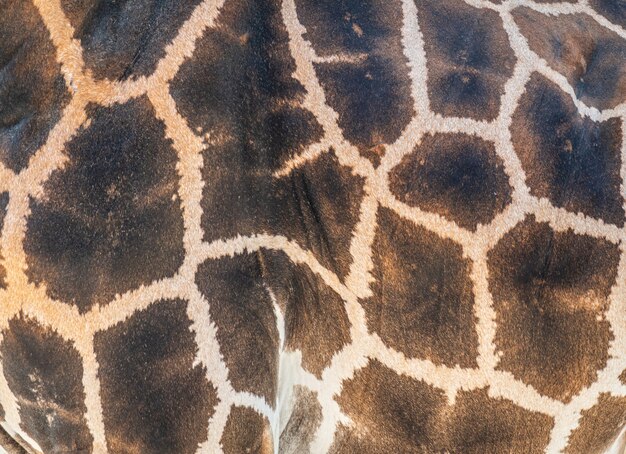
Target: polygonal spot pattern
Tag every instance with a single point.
(32, 89)
(590, 56)
(116, 42)
(455, 175)
(570, 160)
(422, 303)
(110, 212)
(550, 293)
(45, 374)
(363, 69)
(154, 396)
(468, 58)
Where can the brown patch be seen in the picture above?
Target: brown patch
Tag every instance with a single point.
(45, 374)
(550, 293)
(423, 300)
(390, 413)
(311, 308)
(125, 38)
(112, 209)
(599, 426)
(469, 58)
(32, 89)
(622, 376)
(481, 425)
(590, 56)
(370, 89)
(246, 431)
(241, 308)
(305, 418)
(153, 397)
(455, 175)
(573, 161)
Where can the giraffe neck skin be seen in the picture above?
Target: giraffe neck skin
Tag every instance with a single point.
(292, 226)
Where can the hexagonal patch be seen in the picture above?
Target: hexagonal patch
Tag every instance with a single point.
(570, 160)
(457, 176)
(550, 292)
(366, 75)
(45, 373)
(110, 220)
(590, 56)
(154, 396)
(423, 303)
(468, 58)
(125, 38)
(32, 89)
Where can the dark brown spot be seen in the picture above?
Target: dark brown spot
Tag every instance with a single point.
(246, 431)
(550, 293)
(371, 89)
(32, 89)
(455, 175)
(125, 38)
(240, 306)
(590, 56)
(469, 58)
(390, 413)
(599, 426)
(45, 374)
(310, 308)
(423, 300)
(305, 418)
(109, 220)
(570, 160)
(478, 424)
(153, 397)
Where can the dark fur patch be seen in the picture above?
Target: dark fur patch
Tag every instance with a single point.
(550, 293)
(109, 212)
(246, 431)
(571, 160)
(238, 88)
(479, 424)
(613, 10)
(423, 300)
(371, 94)
(455, 175)
(153, 397)
(590, 56)
(598, 426)
(310, 308)
(32, 89)
(45, 374)
(469, 58)
(305, 418)
(125, 38)
(241, 308)
(390, 413)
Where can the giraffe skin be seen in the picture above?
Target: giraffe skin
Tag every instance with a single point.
(291, 226)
